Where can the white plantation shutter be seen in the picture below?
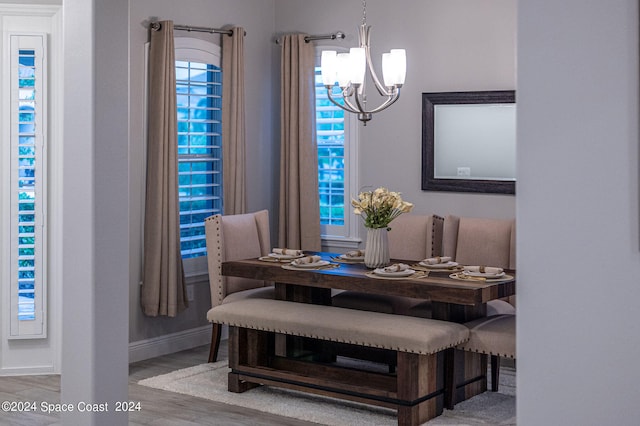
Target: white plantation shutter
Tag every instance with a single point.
(330, 134)
(336, 135)
(27, 181)
(199, 102)
(199, 89)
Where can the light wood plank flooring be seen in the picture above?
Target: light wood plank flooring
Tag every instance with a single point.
(158, 407)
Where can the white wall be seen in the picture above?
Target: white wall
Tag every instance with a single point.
(452, 45)
(95, 207)
(577, 212)
(41, 355)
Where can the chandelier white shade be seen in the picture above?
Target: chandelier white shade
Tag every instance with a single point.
(348, 70)
(394, 67)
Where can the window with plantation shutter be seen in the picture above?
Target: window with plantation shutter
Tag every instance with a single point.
(199, 101)
(331, 145)
(27, 182)
(336, 140)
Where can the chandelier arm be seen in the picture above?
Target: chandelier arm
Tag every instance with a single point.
(352, 108)
(348, 91)
(359, 103)
(349, 107)
(390, 101)
(382, 90)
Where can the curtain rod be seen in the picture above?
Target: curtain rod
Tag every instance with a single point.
(156, 26)
(333, 36)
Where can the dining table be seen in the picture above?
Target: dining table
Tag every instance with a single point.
(451, 299)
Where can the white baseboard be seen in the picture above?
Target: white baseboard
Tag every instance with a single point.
(28, 371)
(169, 343)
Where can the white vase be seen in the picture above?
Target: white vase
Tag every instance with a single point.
(376, 254)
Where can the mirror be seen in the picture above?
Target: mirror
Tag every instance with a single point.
(469, 141)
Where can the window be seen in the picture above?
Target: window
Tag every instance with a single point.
(26, 163)
(330, 138)
(336, 140)
(199, 101)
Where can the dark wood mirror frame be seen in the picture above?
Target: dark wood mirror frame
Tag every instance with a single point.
(429, 181)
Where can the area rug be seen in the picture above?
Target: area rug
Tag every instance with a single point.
(209, 381)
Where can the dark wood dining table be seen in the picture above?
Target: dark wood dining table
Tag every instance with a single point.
(451, 299)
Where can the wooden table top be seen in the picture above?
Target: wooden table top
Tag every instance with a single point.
(353, 276)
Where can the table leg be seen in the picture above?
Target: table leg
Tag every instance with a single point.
(417, 375)
(246, 347)
(457, 313)
(291, 345)
(303, 294)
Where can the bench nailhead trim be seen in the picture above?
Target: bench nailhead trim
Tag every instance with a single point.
(331, 339)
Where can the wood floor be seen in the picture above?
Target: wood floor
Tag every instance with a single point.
(158, 407)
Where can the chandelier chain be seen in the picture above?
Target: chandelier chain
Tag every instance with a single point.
(364, 12)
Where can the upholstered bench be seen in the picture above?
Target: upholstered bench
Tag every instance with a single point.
(416, 390)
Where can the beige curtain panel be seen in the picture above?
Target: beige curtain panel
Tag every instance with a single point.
(299, 218)
(233, 127)
(163, 291)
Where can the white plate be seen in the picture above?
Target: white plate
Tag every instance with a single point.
(484, 274)
(354, 258)
(463, 276)
(285, 256)
(439, 265)
(311, 265)
(383, 273)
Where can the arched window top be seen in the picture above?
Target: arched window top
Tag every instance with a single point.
(197, 50)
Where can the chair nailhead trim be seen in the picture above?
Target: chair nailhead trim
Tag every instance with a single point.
(469, 349)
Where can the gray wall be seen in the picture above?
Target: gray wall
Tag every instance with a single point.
(452, 45)
(577, 203)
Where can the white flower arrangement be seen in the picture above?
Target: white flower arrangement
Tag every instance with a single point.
(379, 207)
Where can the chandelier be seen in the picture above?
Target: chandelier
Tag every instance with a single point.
(349, 69)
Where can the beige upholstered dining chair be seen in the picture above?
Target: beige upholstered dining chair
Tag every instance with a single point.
(412, 238)
(494, 336)
(478, 241)
(234, 237)
(483, 241)
(415, 237)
